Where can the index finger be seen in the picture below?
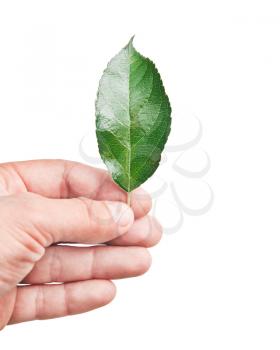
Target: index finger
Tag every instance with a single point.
(68, 179)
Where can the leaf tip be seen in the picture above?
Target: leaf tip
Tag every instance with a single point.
(131, 40)
(129, 45)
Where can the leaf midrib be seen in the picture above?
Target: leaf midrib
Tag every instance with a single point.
(129, 133)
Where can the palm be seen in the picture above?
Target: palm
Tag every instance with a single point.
(7, 303)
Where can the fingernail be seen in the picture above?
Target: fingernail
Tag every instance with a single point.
(141, 194)
(121, 213)
(143, 198)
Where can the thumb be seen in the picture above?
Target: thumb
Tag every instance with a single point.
(29, 223)
(80, 220)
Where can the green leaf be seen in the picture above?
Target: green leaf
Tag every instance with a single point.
(132, 118)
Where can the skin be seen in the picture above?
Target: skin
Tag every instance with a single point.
(46, 203)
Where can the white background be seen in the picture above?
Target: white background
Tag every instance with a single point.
(214, 284)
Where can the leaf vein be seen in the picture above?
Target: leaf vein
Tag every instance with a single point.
(144, 164)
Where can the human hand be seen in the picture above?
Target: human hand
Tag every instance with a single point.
(43, 203)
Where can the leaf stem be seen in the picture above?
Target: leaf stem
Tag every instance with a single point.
(128, 198)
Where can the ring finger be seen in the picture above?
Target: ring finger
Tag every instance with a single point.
(69, 264)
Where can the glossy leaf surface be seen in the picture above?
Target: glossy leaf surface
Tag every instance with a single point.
(132, 118)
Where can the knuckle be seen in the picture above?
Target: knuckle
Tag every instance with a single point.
(20, 206)
(97, 216)
(27, 250)
(65, 298)
(20, 255)
(40, 306)
(55, 266)
(18, 220)
(21, 248)
(27, 200)
(86, 211)
(94, 260)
